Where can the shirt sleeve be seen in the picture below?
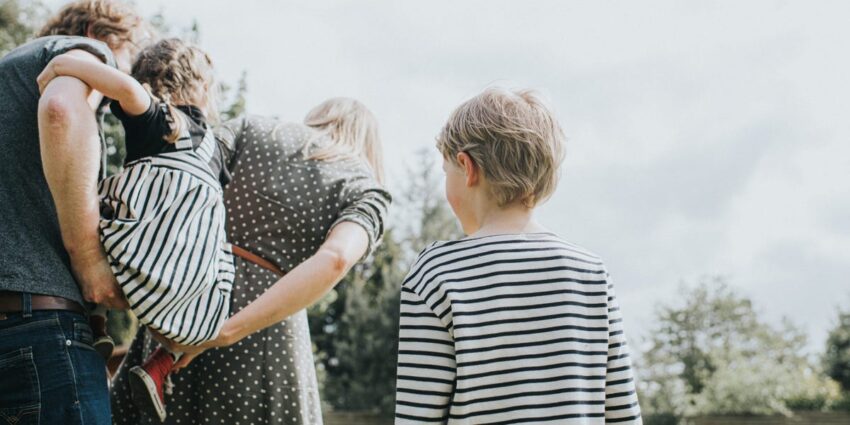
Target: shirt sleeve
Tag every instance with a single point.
(621, 402)
(62, 45)
(366, 204)
(426, 364)
(145, 133)
(230, 138)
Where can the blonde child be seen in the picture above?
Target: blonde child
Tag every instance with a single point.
(162, 218)
(510, 324)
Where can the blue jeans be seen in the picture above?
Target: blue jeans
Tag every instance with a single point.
(49, 372)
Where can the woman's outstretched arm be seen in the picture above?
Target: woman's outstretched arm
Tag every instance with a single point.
(300, 288)
(304, 285)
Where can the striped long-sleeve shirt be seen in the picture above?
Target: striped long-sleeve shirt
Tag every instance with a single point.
(510, 329)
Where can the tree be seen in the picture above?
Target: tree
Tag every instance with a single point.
(18, 23)
(712, 354)
(426, 212)
(355, 328)
(837, 357)
(237, 105)
(359, 335)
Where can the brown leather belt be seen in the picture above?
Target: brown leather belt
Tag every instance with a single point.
(256, 259)
(12, 302)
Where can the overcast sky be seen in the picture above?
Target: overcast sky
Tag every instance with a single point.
(704, 138)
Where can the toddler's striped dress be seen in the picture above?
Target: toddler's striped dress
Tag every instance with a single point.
(163, 232)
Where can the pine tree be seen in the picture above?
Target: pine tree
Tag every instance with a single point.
(355, 329)
(237, 105)
(837, 357)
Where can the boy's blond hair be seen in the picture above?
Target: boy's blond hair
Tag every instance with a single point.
(514, 140)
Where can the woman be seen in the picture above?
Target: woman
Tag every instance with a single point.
(308, 199)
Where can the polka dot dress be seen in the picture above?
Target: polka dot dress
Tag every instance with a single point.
(280, 206)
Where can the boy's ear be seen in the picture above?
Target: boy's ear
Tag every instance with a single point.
(469, 168)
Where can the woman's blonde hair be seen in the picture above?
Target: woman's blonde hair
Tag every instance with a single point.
(110, 21)
(352, 130)
(178, 73)
(514, 139)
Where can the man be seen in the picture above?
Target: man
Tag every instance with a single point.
(51, 259)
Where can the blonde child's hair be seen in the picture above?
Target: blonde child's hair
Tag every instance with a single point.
(513, 138)
(352, 130)
(178, 73)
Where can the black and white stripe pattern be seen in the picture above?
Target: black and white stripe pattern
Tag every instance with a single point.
(512, 329)
(166, 242)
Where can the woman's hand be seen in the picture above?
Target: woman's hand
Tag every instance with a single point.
(184, 361)
(223, 339)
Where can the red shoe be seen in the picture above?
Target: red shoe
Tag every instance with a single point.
(147, 381)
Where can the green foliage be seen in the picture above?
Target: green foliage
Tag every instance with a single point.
(159, 24)
(422, 204)
(837, 357)
(760, 385)
(815, 393)
(18, 22)
(660, 418)
(355, 329)
(116, 151)
(842, 404)
(236, 106)
(360, 340)
(122, 326)
(192, 34)
(711, 354)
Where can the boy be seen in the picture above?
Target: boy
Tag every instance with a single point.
(510, 324)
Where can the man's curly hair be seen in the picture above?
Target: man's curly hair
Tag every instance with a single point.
(110, 21)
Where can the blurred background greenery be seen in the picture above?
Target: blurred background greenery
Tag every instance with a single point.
(710, 354)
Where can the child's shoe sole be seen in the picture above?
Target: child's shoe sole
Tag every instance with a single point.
(104, 346)
(143, 391)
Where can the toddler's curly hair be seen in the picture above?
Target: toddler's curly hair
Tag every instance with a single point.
(178, 73)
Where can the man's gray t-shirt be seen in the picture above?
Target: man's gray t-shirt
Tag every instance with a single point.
(32, 256)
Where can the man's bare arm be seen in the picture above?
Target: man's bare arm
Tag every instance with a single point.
(70, 154)
(109, 81)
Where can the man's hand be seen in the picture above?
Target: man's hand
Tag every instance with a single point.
(97, 282)
(70, 154)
